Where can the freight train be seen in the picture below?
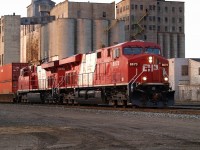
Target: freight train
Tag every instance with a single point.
(129, 73)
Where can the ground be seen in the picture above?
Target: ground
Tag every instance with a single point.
(30, 127)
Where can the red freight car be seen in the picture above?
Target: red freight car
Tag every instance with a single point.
(9, 74)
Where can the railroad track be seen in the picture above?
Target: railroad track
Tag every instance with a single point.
(177, 109)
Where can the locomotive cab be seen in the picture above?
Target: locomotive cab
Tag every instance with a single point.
(148, 76)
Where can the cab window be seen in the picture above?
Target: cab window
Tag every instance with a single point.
(132, 50)
(152, 51)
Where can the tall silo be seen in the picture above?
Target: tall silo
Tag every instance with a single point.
(53, 39)
(174, 47)
(160, 42)
(167, 45)
(181, 45)
(84, 36)
(44, 41)
(117, 31)
(66, 38)
(100, 35)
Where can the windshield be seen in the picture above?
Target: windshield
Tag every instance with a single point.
(152, 51)
(132, 50)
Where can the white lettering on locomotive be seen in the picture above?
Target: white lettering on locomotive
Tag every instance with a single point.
(115, 63)
(149, 67)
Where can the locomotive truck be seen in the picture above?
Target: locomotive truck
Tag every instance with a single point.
(129, 73)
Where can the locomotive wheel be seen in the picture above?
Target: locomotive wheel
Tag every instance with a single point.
(124, 104)
(115, 104)
(66, 101)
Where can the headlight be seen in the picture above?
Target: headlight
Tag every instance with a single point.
(150, 59)
(144, 78)
(166, 78)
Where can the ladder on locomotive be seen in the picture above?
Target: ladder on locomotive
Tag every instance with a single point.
(56, 87)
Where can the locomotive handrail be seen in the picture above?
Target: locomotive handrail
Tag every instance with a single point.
(62, 81)
(135, 77)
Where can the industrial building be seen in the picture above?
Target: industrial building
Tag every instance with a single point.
(77, 27)
(184, 76)
(158, 21)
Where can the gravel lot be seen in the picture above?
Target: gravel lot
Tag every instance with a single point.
(29, 127)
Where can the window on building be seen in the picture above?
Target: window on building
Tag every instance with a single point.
(184, 70)
(158, 28)
(78, 13)
(133, 26)
(173, 9)
(166, 19)
(127, 18)
(132, 18)
(124, 8)
(141, 7)
(150, 27)
(154, 18)
(154, 7)
(150, 18)
(104, 14)
(180, 9)
(180, 29)
(158, 8)
(166, 29)
(135, 6)
(173, 20)
(117, 11)
(126, 27)
(166, 9)
(154, 27)
(132, 6)
(145, 37)
(145, 18)
(159, 19)
(180, 20)
(127, 7)
(173, 28)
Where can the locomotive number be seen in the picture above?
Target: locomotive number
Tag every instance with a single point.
(115, 63)
(149, 67)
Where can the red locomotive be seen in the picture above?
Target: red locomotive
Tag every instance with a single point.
(128, 73)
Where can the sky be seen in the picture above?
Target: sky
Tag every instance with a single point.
(192, 21)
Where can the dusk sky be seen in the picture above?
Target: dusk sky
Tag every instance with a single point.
(192, 21)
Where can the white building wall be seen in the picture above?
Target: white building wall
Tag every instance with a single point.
(175, 74)
(194, 67)
(187, 88)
